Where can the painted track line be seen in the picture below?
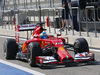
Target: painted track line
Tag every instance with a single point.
(11, 37)
(95, 50)
(21, 67)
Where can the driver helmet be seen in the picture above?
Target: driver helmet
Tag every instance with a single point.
(43, 35)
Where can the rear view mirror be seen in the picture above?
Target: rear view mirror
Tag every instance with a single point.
(58, 34)
(36, 36)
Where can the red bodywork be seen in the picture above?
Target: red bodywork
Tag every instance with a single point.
(56, 41)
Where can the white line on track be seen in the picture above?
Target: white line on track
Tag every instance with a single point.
(21, 67)
(95, 50)
(12, 37)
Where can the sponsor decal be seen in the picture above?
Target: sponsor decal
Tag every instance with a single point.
(66, 56)
(47, 42)
(42, 43)
(24, 47)
(27, 26)
(59, 43)
(81, 55)
(62, 50)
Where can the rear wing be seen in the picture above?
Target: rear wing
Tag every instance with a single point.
(28, 27)
(25, 27)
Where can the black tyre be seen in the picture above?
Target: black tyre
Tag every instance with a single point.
(81, 45)
(34, 50)
(10, 49)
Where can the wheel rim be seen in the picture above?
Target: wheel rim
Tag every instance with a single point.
(76, 44)
(29, 55)
(5, 49)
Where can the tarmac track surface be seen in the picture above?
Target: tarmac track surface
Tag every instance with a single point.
(92, 68)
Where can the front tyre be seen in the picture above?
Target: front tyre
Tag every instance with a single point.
(81, 45)
(34, 50)
(10, 49)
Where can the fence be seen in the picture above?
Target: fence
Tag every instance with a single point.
(28, 11)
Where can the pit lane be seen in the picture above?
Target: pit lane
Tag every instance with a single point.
(92, 68)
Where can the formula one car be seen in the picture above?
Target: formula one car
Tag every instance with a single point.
(42, 49)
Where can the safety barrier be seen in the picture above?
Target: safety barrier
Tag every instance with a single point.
(50, 9)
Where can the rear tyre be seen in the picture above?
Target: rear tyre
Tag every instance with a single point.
(81, 45)
(10, 49)
(34, 50)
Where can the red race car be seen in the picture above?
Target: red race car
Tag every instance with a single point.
(42, 49)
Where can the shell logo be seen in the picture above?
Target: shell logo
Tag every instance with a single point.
(24, 47)
(61, 48)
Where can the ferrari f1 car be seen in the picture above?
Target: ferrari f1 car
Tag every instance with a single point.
(48, 50)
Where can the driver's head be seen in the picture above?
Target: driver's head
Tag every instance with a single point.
(43, 35)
